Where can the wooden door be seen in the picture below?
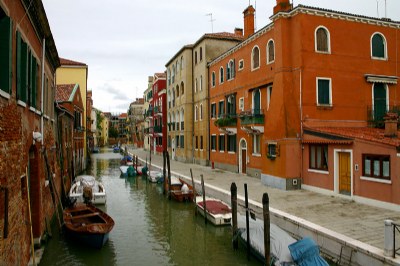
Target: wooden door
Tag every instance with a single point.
(344, 173)
(244, 161)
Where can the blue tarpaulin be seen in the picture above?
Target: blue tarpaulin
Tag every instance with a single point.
(305, 252)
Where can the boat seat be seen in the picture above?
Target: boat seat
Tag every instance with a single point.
(85, 215)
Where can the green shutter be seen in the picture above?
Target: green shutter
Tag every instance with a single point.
(34, 82)
(18, 65)
(379, 101)
(24, 74)
(323, 91)
(5, 54)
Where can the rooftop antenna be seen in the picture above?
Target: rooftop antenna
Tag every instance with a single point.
(211, 20)
(385, 10)
(377, 9)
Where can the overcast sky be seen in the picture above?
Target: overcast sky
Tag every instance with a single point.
(125, 41)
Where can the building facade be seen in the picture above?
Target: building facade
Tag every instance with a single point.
(135, 121)
(158, 122)
(305, 103)
(29, 166)
(147, 113)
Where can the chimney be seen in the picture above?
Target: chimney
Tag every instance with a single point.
(282, 5)
(391, 120)
(238, 31)
(248, 15)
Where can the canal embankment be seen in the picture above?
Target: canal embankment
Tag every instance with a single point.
(350, 233)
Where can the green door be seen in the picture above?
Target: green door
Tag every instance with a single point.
(256, 102)
(379, 101)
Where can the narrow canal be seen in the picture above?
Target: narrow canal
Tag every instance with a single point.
(149, 229)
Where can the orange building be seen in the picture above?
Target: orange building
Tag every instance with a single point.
(302, 101)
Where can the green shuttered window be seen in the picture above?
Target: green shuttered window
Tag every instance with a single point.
(323, 91)
(5, 54)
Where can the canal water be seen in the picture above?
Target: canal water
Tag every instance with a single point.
(149, 229)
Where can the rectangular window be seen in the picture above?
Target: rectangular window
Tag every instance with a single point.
(5, 54)
(197, 142)
(232, 143)
(241, 104)
(221, 143)
(213, 110)
(22, 63)
(201, 142)
(213, 142)
(271, 151)
(324, 91)
(269, 94)
(221, 110)
(256, 144)
(319, 157)
(182, 141)
(177, 141)
(376, 166)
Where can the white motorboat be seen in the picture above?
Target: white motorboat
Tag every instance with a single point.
(124, 169)
(154, 176)
(86, 186)
(217, 211)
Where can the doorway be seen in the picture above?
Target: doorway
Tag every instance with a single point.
(343, 172)
(243, 156)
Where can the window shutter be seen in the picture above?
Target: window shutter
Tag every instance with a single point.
(19, 59)
(5, 54)
(34, 82)
(323, 91)
(233, 69)
(227, 71)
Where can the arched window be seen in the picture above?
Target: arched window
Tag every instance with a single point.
(195, 113)
(201, 82)
(195, 85)
(221, 75)
(213, 79)
(255, 58)
(378, 46)
(182, 88)
(201, 111)
(182, 119)
(177, 90)
(322, 40)
(270, 52)
(230, 69)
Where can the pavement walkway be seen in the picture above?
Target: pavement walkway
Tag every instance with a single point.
(355, 220)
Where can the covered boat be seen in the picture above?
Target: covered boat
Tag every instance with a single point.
(87, 188)
(217, 211)
(87, 224)
(154, 176)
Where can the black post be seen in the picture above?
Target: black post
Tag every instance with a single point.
(169, 176)
(267, 234)
(246, 197)
(164, 172)
(204, 199)
(234, 215)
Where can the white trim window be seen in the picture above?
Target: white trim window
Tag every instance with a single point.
(324, 91)
(269, 95)
(241, 104)
(201, 111)
(241, 64)
(196, 110)
(230, 69)
(256, 144)
(270, 52)
(378, 46)
(213, 79)
(255, 58)
(221, 75)
(322, 40)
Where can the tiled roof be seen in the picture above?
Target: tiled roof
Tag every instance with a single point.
(63, 92)
(67, 62)
(224, 35)
(123, 115)
(362, 133)
(160, 75)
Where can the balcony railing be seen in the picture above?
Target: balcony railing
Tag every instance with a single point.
(375, 114)
(226, 120)
(252, 117)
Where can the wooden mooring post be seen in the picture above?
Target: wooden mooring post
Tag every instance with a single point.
(204, 199)
(194, 192)
(169, 176)
(164, 172)
(267, 233)
(234, 215)
(246, 203)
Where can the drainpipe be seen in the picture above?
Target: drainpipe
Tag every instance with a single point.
(193, 114)
(42, 94)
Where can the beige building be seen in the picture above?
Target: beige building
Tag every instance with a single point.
(148, 99)
(187, 96)
(72, 72)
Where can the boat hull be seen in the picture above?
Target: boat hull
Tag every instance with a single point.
(217, 211)
(99, 195)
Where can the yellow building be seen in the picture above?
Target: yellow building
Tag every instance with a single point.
(104, 129)
(77, 73)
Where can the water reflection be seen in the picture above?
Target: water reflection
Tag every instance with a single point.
(149, 229)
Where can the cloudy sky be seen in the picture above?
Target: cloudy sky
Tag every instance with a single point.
(125, 41)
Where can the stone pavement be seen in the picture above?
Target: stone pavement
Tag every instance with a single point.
(355, 220)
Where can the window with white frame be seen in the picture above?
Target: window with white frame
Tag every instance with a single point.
(201, 111)
(378, 46)
(231, 143)
(195, 113)
(376, 166)
(230, 70)
(270, 52)
(201, 82)
(324, 91)
(213, 110)
(322, 40)
(213, 142)
(319, 157)
(221, 75)
(241, 64)
(241, 104)
(221, 110)
(255, 58)
(195, 85)
(213, 79)
(256, 144)
(221, 143)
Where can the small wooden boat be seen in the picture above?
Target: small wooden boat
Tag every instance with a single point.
(86, 187)
(217, 211)
(180, 190)
(87, 224)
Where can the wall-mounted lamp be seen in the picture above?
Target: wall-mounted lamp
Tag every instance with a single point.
(37, 136)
